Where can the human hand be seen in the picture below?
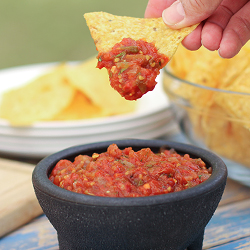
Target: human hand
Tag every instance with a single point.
(224, 24)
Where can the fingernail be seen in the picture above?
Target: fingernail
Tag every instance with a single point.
(173, 14)
(220, 54)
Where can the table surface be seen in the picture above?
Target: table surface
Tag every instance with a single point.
(228, 229)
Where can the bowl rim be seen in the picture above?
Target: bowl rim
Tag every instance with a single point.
(41, 182)
(168, 71)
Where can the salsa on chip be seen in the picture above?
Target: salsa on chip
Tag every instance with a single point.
(132, 67)
(133, 50)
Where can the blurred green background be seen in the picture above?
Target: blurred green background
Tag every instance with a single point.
(38, 31)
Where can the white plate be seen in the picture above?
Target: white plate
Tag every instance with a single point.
(149, 120)
(42, 148)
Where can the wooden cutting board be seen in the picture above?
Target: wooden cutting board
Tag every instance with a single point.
(18, 203)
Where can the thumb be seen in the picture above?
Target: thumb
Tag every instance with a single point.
(183, 13)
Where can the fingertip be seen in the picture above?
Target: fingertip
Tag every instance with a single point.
(174, 14)
(230, 45)
(211, 36)
(227, 53)
(193, 40)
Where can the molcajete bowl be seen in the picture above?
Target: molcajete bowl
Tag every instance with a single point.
(173, 221)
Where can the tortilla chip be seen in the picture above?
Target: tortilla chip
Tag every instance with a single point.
(224, 135)
(80, 108)
(207, 72)
(181, 67)
(107, 30)
(234, 69)
(95, 84)
(39, 100)
(237, 105)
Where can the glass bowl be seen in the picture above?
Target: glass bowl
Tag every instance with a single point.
(214, 119)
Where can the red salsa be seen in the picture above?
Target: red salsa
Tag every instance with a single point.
(129, 173)
(133, 67)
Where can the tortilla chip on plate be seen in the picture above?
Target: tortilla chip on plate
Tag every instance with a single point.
(80, 108)
(39, 100)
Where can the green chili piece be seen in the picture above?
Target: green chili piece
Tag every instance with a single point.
(140, 183)
(122, 70)
(123, 53)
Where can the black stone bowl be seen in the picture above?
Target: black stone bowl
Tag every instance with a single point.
(173, 221)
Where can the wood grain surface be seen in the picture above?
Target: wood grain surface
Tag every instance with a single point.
(18, 203)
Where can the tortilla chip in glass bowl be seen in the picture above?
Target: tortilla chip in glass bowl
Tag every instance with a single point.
(212, 97)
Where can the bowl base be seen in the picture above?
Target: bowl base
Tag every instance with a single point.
(197, 243)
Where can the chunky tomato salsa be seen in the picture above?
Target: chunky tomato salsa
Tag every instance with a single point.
(133, 67)
(129, 173)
